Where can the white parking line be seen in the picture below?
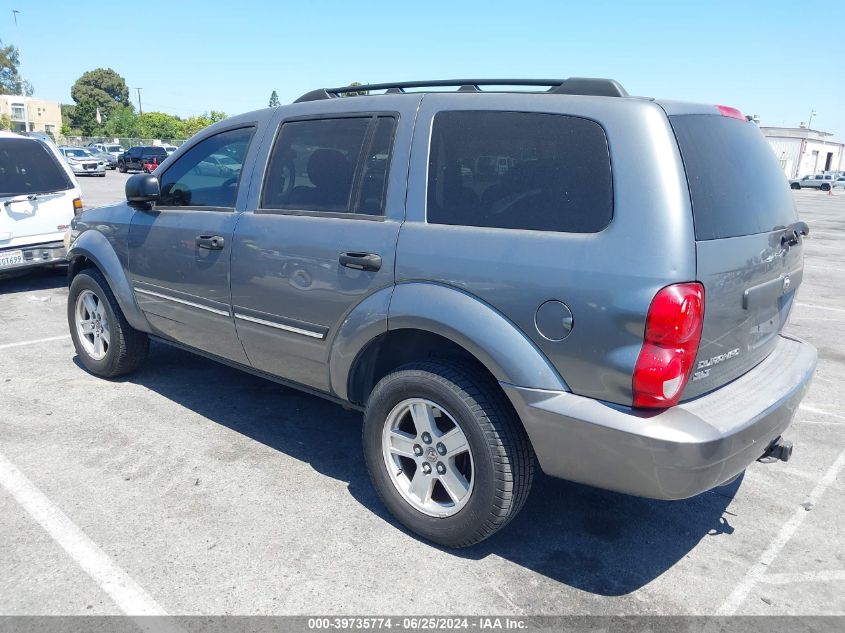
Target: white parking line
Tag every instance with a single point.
(35, 342)
(758, 570)
(818, 307)
(126, 593)
(804, 576)
(807, 407)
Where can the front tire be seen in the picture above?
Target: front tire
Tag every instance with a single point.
(121, 167)
(446, 452)
(795, 186)
(105, 342)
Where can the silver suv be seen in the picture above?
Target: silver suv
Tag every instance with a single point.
(573, 277)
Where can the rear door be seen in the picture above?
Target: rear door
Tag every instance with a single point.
(748, 257)
(179, 251)
(321, 236)
(36, 193)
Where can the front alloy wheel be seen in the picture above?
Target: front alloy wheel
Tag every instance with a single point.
(92, 325)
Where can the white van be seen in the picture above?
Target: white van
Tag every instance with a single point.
(39, 196)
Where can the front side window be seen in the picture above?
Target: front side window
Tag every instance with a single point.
(519, 170)
(207, 175)
(331, 165)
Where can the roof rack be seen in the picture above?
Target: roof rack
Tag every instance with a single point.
(572, 86)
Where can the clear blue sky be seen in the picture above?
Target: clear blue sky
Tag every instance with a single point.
(194, 56)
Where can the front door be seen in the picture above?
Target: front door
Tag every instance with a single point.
(179, 251)
(321, 237)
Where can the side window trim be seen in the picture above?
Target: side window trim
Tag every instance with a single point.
(253, 127)
(375, 117)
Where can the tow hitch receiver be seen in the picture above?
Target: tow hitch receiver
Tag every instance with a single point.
(779, 450)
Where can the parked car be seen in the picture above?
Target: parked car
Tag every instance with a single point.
(622, 329)
(108, 160)
(218, 165)
(83, 162)
(38, 198)
(135, 158)
(112, 149)
(825, 182)
(169, 149)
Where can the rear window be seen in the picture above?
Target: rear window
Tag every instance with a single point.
(736, 184)
(27, 166)
(519, 170)
(154, 151)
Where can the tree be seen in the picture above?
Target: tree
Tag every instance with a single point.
(122, 121)
(158, 125)
(11, 81)
(355, 92)
(194, 124)
(5, 122)
(104, 87)
(84, 117)
(274, 100)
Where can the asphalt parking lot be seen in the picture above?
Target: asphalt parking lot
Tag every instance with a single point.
(204, 490)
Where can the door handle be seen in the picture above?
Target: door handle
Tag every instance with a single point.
(361, 261)
(211, 242)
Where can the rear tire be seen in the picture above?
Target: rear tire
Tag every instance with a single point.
(105, 342)
(825, 187)
(471, 484)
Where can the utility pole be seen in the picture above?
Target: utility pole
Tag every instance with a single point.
(810, 122)
(140, 109)
(15, 13)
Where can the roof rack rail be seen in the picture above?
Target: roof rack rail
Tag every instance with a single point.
(572, 86)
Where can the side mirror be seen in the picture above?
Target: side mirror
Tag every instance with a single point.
(142, 190)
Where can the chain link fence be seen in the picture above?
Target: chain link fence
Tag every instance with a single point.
(125, 143)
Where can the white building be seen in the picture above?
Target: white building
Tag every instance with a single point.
(802, 151)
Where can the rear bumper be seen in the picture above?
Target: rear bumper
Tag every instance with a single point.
(670, 454)
(50, 253)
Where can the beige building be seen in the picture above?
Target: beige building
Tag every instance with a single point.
(803, 151)
(31, 114)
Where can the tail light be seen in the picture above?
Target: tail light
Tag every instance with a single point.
(672, 334)
(77, 206)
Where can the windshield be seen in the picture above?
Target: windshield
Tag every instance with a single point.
(114, 148)
(78, 153)
(27, 167)
(736, 185)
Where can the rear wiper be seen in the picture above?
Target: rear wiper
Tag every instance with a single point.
(793, 233)
(28, 198)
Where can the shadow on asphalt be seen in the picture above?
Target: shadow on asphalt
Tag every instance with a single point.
(35, 279)
(597, 541)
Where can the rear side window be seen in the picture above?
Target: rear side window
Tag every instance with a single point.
(736, 184)
(331, 165)
(27, 167)
(519, 170)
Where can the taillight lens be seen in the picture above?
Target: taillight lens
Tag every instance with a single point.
(77, 206)
(672, 334)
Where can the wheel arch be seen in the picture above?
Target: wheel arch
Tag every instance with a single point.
(91, 249)
(419, 320)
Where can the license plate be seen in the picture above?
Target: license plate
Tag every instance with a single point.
(10, 258)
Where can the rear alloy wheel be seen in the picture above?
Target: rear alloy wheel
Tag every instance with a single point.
(105, 342)
(446, 452)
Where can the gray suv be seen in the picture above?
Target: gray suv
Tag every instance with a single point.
(573, 277)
